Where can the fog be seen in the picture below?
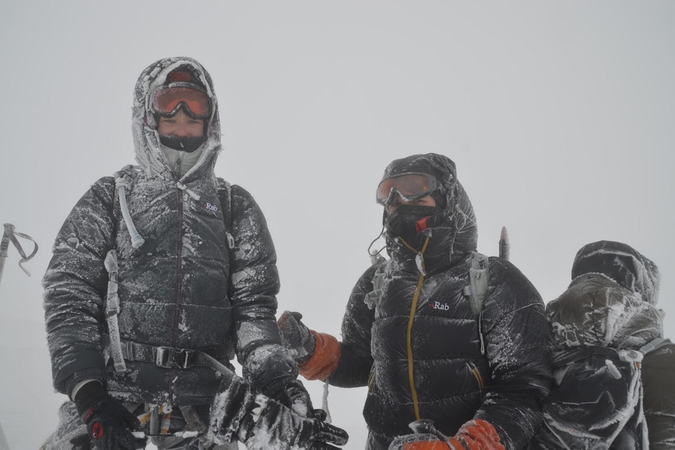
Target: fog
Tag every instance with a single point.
(559, 116)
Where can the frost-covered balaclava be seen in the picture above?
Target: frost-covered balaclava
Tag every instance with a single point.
(147, 141)
(453, 216)
(623, 264)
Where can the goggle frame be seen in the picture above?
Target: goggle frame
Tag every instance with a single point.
(182, 96)
(431, 184)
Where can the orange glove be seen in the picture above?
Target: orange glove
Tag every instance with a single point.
(324, 360)
(428, 445)
(317, 354)
(476, 434)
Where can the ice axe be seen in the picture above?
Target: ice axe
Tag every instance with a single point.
(504, 246)
(10, 235)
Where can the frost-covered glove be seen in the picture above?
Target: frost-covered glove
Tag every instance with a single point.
(238, 413)
(109, 423)
(476, 434)
(296, 336)
(317, 354)
(270, 370)
(295, 396)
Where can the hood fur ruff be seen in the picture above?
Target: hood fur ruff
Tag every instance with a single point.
(144, 126)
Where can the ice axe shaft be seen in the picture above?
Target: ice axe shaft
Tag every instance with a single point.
(504, 246)
(3, 440)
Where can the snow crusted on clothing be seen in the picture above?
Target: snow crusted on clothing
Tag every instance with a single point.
(405, 340)
(177, 279)
(599, 324)
(610, 301)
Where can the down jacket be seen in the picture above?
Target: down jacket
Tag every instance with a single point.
(181, 289)
(609, 305)
(409, 332)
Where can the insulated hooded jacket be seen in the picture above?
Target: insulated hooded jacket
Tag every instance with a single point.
(182, 289)
(409, 332)
(599, 324)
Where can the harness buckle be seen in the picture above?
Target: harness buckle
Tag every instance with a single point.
(174, 358)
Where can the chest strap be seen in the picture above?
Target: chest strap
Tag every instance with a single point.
(175, 358)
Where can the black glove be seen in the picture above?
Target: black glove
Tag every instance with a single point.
(296, 336)
(295, 396)
(109, 423)
(262, 423)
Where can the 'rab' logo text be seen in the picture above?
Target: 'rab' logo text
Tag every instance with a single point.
(208, 206)
(439, 305)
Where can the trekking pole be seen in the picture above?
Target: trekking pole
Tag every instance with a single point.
(504, 246)
(10, 235)
(3, 440)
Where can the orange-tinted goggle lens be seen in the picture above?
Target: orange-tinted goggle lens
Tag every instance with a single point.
(167, 101)
(410, 186)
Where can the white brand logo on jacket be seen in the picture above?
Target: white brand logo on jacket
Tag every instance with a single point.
(439, 305)
(209, 206)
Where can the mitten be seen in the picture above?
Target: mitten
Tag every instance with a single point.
(109, 423)
(476, 434)
(238, 413)
(296, 336)
(317, 354)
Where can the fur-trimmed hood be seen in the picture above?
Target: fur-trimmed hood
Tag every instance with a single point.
(144, 125)
(455, 226)
(623, 264)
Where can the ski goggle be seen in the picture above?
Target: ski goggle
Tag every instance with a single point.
(167, 101)
(409, 186)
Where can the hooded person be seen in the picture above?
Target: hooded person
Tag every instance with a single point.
(162, 274)
(611, 362)
(438, 375)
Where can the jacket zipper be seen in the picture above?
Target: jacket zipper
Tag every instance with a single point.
(179, 282)
(411, 320)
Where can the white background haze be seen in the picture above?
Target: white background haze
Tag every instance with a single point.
(560, 116)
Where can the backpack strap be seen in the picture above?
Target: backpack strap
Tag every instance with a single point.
(653, 345)
(475, 291)
(372, 298)
(112, 309)
(479, 269)
(225, 197)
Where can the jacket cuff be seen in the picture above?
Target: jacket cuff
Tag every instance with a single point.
(87, 364)
(324, 360)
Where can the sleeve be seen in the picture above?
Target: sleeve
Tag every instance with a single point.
(266, 364)
(517, 336)
(356, 361)
(75, 285)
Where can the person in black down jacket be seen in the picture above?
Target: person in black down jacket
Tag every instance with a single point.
(160, 275)
(613, 368)
(459, 379)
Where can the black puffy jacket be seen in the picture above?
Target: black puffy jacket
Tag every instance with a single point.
(419, 346)
(181, 289)
(599, 323)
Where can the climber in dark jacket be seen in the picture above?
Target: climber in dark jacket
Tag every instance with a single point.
(409, 332)
(613, 369)
(161, 273)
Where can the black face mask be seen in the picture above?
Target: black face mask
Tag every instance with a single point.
(402, 221)
(185, 144)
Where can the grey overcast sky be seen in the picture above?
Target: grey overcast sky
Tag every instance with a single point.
(559, 115)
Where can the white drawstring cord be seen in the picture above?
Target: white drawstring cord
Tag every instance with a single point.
(136, 239)
(185, 189)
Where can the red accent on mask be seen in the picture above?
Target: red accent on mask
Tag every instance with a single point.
(421, 224)
(97, 430)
